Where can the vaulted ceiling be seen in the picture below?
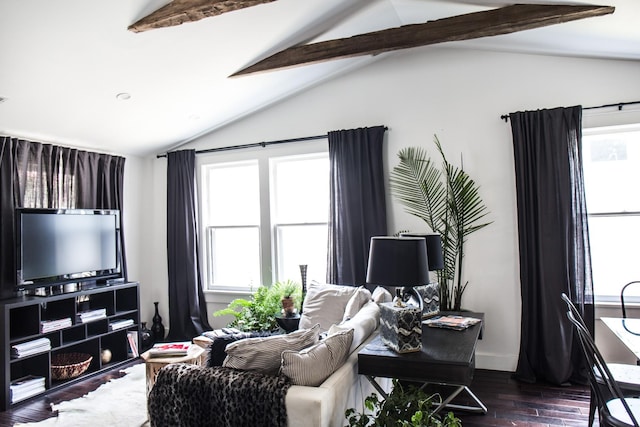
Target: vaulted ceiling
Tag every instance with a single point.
(86, 74)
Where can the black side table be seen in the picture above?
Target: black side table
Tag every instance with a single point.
(447, 358)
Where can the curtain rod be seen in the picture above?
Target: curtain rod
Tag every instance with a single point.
(505, 117)
(258, 144)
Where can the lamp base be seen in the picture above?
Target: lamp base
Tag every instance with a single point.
(401, 327)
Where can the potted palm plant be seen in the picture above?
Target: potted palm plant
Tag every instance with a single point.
(448, 200)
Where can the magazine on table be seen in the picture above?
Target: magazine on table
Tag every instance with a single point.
(170, 349)
(457, 323)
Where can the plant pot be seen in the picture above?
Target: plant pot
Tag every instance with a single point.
(288, 307)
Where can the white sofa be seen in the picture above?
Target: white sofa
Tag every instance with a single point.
(335, 309)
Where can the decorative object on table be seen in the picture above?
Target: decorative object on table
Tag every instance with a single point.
(400, 262)
(146, 337)
(457, 323)
(157, 328)
(169, 349)
(258, 312)
(449, 202)
(65, 366)
(430, 293)
(303, 276)
(288, 323)
(105, 356)
(406, 405)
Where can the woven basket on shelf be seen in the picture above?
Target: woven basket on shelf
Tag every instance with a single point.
(65, 366)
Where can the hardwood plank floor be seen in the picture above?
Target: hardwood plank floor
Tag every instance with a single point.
(509, 402)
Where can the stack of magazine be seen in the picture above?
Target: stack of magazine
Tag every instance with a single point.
(119, 324)
(30, 347)
(25, 387)
(91, 315)
(169, 349)
(457, 323)
(54, 325)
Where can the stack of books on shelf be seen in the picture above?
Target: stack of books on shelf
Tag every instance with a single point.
(170, 349)
(30, 347)
(25, 387)
(91, 315)
(54, 325)
(457, 323)
(119, 324)
(132, 338)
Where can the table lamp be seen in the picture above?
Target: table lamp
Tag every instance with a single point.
(430, 293)
(400, 262)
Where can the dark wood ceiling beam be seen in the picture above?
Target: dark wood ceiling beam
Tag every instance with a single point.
(180, 11)
(505, 20)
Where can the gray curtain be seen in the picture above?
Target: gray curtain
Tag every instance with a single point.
(358, 205)
(187, 307)
(554, 242)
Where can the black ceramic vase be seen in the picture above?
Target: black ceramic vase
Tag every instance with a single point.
(157, 328)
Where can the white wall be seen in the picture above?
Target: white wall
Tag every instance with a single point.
(458, 95)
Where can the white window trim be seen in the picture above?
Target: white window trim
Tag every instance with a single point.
(263, 155)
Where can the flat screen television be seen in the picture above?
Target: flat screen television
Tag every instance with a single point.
(60, 246)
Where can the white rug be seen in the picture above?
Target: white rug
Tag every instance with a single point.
(121, 402)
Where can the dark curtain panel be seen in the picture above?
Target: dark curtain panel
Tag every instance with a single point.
(358, 206)
(187, 307)
(7, 207)
(554, 242)
(97, 181)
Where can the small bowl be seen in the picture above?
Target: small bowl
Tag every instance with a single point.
(65, 366)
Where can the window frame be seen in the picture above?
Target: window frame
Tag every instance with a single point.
(263, 156)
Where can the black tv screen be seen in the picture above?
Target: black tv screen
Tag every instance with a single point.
(62, 246)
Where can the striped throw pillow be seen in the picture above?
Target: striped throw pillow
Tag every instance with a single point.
(264, 354)
(315, 364)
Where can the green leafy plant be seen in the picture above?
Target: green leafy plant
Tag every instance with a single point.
(258, 312)
(406, 406)
(448, 200)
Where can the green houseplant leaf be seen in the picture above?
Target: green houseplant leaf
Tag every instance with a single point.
(448, 201)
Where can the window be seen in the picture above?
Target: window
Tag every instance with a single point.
(262, 217)
(611, 158)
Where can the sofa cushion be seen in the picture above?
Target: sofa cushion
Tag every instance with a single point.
(325, 305)
(381, 295)
(315, 364)
(355, 303)
(363, 324)
(219, 343)
(264, 354)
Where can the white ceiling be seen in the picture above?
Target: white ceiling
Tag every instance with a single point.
(63, 62)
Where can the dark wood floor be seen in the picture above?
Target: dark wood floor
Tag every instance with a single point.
(510, 403)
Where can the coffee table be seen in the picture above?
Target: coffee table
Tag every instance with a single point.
(195, 356)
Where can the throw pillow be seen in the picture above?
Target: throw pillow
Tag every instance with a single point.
(363, 324)
(381, 295)
(263, 354)
(219, 343)
(315, 364)
(355, 303)
(325, 304)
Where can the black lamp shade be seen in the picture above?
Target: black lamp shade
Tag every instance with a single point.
(434, 249)
(398, 261)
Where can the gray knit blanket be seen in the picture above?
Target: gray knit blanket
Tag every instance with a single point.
(195, 396)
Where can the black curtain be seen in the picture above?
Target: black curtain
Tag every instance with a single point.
(37, 175)
(554, 242)
(358, 206)
(187, 306)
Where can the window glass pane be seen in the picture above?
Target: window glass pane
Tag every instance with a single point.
(614, 254)
(233, 194)
(612, 171)
(235, 256)
(301, 190)
(302, 244)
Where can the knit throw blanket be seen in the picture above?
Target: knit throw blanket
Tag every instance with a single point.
(194, 396)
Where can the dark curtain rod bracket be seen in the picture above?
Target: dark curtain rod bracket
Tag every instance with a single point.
(505, 117)
(258, 144)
